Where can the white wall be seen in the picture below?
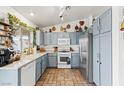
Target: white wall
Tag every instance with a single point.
(121, 48)
(115, 45)
(72, 23)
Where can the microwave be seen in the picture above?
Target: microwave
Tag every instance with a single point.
(64, 41)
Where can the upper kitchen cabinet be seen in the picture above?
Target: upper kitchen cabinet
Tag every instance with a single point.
(78, 36)
(63, 35)
(41, 38)
(106, 21)
(96, 27)
(47, 38)
(54, 38)
(72, 36)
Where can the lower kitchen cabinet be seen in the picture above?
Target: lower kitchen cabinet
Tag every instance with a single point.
(44, 63)
(38, 68)
(27, 77)
(75, 60)
(52, 59)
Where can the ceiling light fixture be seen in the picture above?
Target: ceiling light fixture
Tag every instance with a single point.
(63, 9)
(31, 14)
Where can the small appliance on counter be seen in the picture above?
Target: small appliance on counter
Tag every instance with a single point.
(6, 56)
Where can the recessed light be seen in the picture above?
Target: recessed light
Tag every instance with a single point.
(31, 14)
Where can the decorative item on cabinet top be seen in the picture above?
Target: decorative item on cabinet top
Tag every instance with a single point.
(68, 26)
(81, 23)
(53, 28)
(63, 29)
(76, 28)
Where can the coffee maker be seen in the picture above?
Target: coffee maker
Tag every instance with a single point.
(5, 56)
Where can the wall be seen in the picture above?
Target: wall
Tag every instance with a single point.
(72, 23)
(121, 48)
(115, 45)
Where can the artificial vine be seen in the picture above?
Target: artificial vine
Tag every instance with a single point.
(13, 20)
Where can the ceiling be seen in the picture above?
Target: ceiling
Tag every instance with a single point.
(49, 15)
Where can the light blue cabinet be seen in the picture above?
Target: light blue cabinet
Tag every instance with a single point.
(105, 59)
(41, 38)
(54, 38)
(102, 49)
(44, 63)
(72, 36)
(38, 68)
(106, 21)
(96, 60)
(47, 38)
(52, 57)
(78, 36)
(75, 60)
(96, 27)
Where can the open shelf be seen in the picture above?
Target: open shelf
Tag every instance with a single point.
(4, 36)
(5, 24)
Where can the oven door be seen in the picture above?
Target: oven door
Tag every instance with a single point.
(65, 60)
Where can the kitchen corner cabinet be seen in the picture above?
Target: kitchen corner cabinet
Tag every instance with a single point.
(28, 74)
(52, 57)
(75, 60)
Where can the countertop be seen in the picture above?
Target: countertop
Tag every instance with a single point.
(23, 61)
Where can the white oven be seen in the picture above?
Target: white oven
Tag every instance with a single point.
(64, 54)
(64, 60)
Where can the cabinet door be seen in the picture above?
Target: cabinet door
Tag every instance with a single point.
(47, 38)
(41, 38)
(96, 27)
(96, 68)
(106, 21)
(75, 60)
(28, 75)
(72, 38)
(54, 38)
(52, 62)
(38, 69)
(105, 58)
(78, 36)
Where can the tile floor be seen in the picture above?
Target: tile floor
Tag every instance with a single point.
(62, 77)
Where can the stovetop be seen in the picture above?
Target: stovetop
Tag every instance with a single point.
(64, 51)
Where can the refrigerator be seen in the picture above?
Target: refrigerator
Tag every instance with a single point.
(86, 56)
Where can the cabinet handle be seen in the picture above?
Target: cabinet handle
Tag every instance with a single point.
(97, 61)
